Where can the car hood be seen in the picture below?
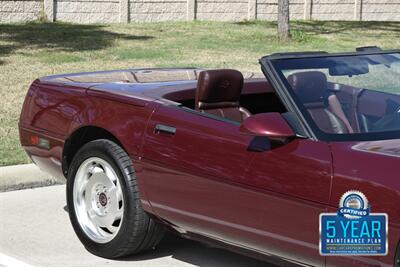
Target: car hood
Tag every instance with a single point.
(374, 161)
(379, 158)
(384, 147)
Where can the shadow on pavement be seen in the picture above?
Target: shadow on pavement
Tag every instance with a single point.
(196, 253)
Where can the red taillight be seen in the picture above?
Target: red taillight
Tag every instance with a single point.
(34, 140)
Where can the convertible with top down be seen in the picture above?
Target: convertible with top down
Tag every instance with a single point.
(244, 161)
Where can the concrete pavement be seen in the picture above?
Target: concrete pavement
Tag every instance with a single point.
(24, 176)
(35, 230)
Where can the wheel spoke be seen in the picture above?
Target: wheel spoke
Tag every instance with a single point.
(113, 229)
(119, 193)
(119, 214)
(113, 193)
(94, 169)
(110, 174)
(88, 200)
(99, 220)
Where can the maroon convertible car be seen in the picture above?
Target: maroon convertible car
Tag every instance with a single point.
(248, 162)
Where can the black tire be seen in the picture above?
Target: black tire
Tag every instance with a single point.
(138, 232)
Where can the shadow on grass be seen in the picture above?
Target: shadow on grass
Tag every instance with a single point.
(245, 22)
(332, 27)
(60, 37)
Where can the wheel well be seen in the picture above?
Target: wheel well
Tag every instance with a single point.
(79, 138)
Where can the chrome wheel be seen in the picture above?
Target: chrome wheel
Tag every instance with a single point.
(98, 200)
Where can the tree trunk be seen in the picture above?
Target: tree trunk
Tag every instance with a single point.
(283, 20)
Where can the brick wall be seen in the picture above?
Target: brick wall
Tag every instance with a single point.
(113, 11)
(333, 9)
(157, 10)
(225, 10)
(87, 11)
(377, 9)
(20, 11)
(268, 9)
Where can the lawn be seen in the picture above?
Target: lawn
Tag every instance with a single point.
(28, 51)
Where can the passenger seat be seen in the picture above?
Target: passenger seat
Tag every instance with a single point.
(218, 93)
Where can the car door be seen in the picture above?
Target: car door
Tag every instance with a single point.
(296, 181)
(201, 176)
(192, 164)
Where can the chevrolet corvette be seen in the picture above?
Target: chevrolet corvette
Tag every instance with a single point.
(243, 161)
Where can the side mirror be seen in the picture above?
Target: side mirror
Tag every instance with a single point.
(272, 125)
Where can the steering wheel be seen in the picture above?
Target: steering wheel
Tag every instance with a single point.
(388, 122)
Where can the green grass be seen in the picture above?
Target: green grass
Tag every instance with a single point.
(28, 51)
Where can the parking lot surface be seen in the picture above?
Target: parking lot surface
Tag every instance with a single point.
(35, 231)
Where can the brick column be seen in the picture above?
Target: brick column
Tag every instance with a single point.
(252, 10)
(191, 10)
(124, 11)
(48, 7)
(357, 9)
(307, 9)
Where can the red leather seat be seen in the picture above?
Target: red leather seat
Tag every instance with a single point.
(218, 93)
(312, 89)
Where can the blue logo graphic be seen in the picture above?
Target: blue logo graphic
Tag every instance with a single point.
(353, 230)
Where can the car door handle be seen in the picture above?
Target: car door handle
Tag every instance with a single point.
(160, 128)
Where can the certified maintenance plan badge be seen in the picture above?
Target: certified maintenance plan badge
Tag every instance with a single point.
(353, 230)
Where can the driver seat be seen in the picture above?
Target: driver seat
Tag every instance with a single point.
(218, 93)
(312, 89)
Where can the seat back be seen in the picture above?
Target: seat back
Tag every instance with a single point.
(312, 89)
(218, 92)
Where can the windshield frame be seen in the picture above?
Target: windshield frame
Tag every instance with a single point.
(293, 103)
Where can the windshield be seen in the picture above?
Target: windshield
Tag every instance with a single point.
(346, 97)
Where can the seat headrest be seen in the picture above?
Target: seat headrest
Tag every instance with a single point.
(310, 86)
(219, 88)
